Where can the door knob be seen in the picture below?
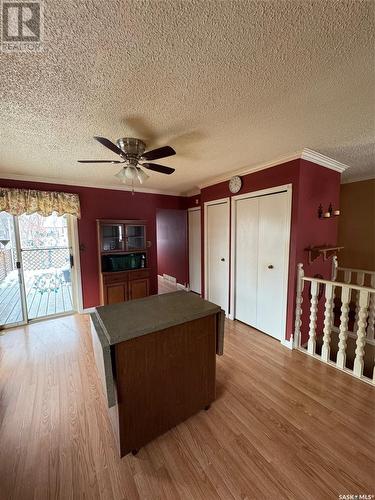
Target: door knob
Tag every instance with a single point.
(270, 266)
(222, 259)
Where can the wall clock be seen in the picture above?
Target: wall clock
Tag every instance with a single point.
(235, 184)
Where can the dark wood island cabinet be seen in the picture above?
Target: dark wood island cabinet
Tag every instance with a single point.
(157, 360)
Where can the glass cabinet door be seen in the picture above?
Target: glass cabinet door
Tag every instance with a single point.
(112, 237)
(135, 238)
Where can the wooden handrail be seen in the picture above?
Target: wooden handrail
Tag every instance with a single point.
(338, 283)
(355, 270)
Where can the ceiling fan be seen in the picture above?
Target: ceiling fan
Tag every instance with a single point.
(135, 159)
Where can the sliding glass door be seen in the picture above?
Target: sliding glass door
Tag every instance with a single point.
(37, 265)
(12, 298)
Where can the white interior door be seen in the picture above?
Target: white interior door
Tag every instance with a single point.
(272, 264)
(195, 263)
(246, 262)
(217, 253)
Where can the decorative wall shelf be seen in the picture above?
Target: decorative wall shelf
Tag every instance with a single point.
(325, 250)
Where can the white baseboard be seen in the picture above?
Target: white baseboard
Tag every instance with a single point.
(172, 279)
(288, 343)
(88, 310)
(182, 287)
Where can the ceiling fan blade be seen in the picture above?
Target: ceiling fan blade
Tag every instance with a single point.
(108, 144)
(158, 168)
(155, 154)
(100, 161)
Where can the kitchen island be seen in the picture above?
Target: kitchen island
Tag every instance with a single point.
(156, 358)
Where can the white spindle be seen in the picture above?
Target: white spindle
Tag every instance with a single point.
(361, 333)
(334, 267)
(360, 282)
(299, 300)
(343, 335)
(313, 315)
(347, 276)
(328, 320)
(370, 334)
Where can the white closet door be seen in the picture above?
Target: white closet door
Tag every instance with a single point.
(195, 263)
(246, 266)
(272, 258)
(217, 258)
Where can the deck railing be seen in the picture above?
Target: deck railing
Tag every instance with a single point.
(7, 262)
(360, 330)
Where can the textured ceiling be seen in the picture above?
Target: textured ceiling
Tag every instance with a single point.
(228, 84)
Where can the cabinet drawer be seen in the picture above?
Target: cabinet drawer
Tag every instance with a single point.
(139, 273)
(115, 278)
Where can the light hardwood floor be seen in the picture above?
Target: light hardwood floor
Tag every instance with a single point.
(283, 426)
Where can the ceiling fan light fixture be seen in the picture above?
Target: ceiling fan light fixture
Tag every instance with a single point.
(131, 173)
(121, 175)
(132, 153)
(142, 176)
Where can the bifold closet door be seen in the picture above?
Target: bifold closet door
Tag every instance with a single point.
(217, 258)
(246, 268)
(272, 260)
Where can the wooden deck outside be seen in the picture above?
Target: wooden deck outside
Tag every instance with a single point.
(40, 303)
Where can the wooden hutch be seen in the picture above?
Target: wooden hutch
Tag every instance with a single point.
(123, 260)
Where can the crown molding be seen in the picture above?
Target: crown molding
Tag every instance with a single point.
(69, 182)
(324, 161)
(192, 192)
(250, 170)
(305, 154)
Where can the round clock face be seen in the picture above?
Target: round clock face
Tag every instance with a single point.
(235, 184)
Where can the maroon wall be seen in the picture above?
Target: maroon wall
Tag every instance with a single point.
(318, 185)
(171, 237)
(193, 201)
(108, 204)
(311, 185)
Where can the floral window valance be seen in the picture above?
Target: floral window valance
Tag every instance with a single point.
(29, 201)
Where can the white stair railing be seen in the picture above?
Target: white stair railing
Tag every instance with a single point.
(363, 331)
(344, 320)
(362, 278)
(352, 276)
(363, 303)
(328, 322)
